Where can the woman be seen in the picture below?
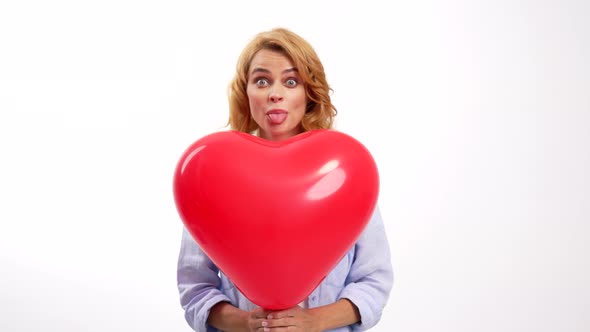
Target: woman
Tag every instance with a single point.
(280, 90)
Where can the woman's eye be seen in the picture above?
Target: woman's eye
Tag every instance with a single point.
(262, 82)
(291, 83)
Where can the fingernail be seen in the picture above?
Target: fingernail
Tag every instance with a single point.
(269, 316)
(264, 323)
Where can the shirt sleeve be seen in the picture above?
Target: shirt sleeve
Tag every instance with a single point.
(370, 279)
(198, 284)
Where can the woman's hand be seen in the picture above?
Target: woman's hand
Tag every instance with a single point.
(293, 319)
(338, 314)
(256, 319)
(226, 317)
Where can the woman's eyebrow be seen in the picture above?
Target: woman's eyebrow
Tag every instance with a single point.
(266, 71)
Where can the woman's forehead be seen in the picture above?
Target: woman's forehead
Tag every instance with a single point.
(268, 60)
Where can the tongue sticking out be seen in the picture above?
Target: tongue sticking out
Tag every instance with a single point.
(277, 117)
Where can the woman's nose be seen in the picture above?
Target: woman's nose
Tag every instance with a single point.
(275, 96)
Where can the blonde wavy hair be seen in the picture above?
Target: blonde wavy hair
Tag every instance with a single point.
(319, 113)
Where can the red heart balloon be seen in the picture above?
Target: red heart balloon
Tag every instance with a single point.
(276, 217)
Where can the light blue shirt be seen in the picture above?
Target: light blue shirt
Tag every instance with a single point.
(364, 276)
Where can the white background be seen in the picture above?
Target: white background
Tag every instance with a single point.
(477, 112)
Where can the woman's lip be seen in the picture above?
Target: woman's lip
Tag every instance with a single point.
(276, 111)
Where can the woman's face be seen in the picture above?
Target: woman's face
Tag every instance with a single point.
(276, 95)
